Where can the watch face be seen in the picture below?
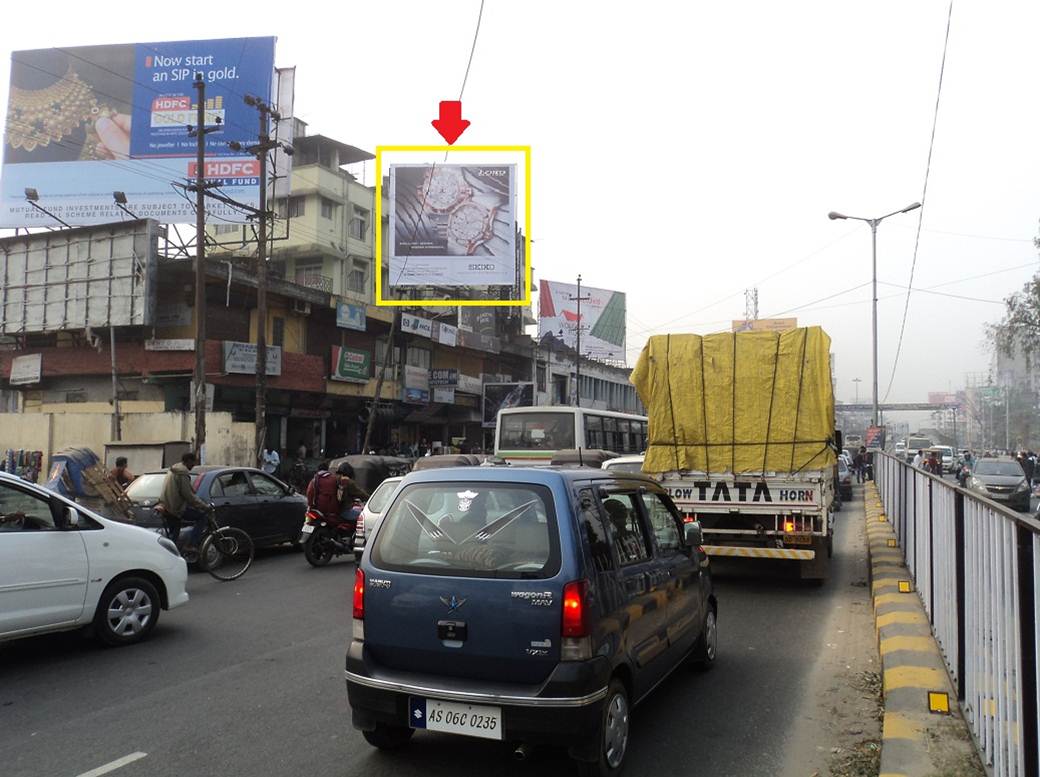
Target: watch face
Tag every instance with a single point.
(443, 189)
(469, 223)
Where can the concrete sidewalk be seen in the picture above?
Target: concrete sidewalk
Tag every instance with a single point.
(924, 733)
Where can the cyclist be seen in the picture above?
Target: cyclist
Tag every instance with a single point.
(179, 502)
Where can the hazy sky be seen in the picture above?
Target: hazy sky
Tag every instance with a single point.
(685, 151)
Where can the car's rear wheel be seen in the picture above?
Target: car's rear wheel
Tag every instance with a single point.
(707, 647)
(613, 735)
(127, 611)
(388, 737)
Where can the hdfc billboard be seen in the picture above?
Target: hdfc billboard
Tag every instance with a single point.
(85, 122)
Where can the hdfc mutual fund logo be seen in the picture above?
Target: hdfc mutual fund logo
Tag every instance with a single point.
(229, 168)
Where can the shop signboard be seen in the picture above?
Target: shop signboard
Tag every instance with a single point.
(351, 316)
(351, 364)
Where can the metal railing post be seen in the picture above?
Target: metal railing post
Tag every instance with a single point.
(931, 555)
(1027, 636)
(958, 533)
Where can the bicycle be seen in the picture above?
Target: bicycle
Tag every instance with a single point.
(225, 551)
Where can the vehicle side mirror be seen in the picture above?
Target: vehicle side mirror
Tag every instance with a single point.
(693, 535)
(71, 518)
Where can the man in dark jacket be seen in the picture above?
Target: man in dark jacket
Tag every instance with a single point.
(323, 491)
(179, 502)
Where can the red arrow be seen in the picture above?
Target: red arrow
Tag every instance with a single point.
(450, 124)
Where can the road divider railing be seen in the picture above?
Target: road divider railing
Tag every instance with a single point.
(976, 567)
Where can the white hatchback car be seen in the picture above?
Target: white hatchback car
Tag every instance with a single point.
(64, 567)
(370, 517)
(625, 463)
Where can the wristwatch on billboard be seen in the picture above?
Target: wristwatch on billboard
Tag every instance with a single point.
(472, 223)
(442, 189)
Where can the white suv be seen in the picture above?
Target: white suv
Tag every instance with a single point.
(63, 567)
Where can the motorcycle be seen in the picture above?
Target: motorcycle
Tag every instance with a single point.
(325, 537)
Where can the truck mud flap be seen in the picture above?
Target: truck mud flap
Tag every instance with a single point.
(817, 568)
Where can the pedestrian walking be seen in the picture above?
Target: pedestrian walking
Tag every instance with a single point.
(271, 461)
(918, 459)
(859, 463)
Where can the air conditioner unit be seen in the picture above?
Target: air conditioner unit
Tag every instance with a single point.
(300, 307)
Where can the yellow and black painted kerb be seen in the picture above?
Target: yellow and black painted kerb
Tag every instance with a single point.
(917, 688)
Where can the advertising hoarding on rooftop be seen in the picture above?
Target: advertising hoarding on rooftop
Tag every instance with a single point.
(602, 318)
(85, 122)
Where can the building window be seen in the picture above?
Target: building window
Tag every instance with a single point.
(541, 377)
(278, 331)
(359, 224)
(328, 208)
(296, 207)
(356, 281)
(227, 229)
(76, 396)
(418, 357)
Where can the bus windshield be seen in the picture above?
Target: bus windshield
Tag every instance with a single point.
(536, 431)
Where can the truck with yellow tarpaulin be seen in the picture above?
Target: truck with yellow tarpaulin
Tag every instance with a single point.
(741, 433)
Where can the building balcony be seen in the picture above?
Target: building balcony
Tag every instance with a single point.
(314, 281)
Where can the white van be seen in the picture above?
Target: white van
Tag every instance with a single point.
(64, 567)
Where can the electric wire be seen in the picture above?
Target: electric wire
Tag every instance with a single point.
(924, 204)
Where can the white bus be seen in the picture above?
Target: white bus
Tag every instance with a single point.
(533, 435)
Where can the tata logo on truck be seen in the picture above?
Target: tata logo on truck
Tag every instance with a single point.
(740, 492)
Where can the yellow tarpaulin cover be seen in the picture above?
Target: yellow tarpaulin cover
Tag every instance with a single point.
(744, 402)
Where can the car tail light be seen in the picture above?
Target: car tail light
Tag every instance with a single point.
(359, 594)
(359, 529)
(574, 609)
(196, 483)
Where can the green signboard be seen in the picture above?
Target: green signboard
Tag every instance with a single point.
(351, 364)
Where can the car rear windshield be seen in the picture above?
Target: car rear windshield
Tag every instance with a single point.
(1005, 468)
(381, 496)
(536, 431)
(626, 466)
(146, 487)
(499, 530)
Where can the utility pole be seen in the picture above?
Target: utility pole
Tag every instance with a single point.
(199, 132)
(577, 348)
(1007, 418)
(260, 150)
(387, 357)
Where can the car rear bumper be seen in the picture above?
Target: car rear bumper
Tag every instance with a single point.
(565, 709)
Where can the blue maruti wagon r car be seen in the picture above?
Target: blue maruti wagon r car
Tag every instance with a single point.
(534, 606)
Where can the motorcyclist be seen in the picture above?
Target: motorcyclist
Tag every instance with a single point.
(349, 490)
(323, 491)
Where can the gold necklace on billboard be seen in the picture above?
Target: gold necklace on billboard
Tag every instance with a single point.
(38, 117)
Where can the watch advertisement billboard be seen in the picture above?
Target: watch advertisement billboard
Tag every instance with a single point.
(88, 121)
(602, 318)
(351, 364)
(452, 225)
(498, 396)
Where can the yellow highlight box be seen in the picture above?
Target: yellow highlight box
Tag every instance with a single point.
(526, 300)
(939, 702)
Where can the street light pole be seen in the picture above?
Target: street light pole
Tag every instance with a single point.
(873, 239)
(857, 381)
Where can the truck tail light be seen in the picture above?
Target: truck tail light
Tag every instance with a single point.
(788, 526)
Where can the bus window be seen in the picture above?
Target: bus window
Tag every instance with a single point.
(536, 431)
(624, 436)
(610, 437)
(594, 431)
